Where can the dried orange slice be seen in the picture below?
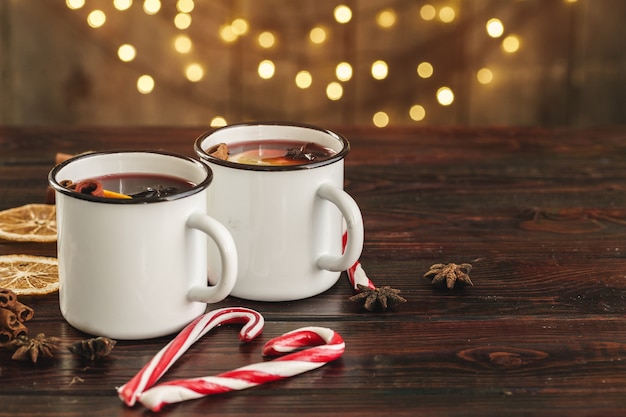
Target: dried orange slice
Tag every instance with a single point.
(29, 275)
(29, 223)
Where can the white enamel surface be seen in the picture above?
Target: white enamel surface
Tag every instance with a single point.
(280, 224)
(354, 226)
(126, 269)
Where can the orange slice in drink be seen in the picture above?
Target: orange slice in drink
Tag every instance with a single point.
(29, 223)
(29, 275)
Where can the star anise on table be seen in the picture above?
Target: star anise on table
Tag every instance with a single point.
(449, 274)
(92, 349)
(32, 348)
(383, 297)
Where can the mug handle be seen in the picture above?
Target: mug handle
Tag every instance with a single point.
(228, 255)
(352, 215)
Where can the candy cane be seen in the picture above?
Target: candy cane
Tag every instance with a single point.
(327, 346)
(163, 360)
(356, 273)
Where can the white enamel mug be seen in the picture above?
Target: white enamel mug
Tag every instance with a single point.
(287, 221)
(137, 269)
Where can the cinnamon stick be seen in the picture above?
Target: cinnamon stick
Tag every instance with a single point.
(22, 311)
(8, 300)
(7, 297)
(10, 323)
(5, 336)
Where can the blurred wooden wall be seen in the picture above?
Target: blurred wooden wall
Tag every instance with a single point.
(570, 69)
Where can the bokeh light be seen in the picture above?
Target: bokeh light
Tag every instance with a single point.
(386, 18)
(334, 91)
(304, 79)
(122, 5)
(266, 39)
(342, 13)
(380, 119)
(417, 112)
(428, 12)
(445, 96)
(484, 76)
(240, 26)
(447, 14)
(74, 4)
(218, 121)
(151, 7)
(96, 18)
(317, 35)
(182, 21)
(194, 72)
(185, 6)
(495, 28)
(425, 69)
(511, 44)
(266, 69)
(380, 70)
(183, 44)
(343, 71)
(126, 52)
(145, 84)
(227, 34)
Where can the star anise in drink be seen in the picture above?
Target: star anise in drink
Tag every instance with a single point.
(304, 152)
(449, 274)
(158, 191)
(383, 297)
(33, 348)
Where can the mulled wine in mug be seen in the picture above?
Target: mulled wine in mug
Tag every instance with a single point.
(132, 243)
(278, 189)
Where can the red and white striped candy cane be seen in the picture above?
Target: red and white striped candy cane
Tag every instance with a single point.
(165, 358)
(356, 274)
(327, 346)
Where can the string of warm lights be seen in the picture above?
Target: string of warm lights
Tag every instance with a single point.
(386, 18)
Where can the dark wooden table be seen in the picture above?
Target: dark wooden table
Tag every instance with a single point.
(540, 214)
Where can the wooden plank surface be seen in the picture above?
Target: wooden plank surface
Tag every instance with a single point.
(541, 215)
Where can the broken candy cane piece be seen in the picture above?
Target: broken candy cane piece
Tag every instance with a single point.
(356, 273)
(165, 358)
(324, 344)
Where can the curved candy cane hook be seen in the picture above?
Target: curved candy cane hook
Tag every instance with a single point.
(326, 347)
(165, 358)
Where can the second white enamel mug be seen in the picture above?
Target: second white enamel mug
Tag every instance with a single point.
(287, 221)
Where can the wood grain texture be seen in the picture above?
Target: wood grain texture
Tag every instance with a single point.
(540, 214)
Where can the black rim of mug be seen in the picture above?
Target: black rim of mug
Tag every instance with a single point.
(56, 185)
(202, 154)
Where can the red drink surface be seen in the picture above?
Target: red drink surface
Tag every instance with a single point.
(278, 152)
(142, 185)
